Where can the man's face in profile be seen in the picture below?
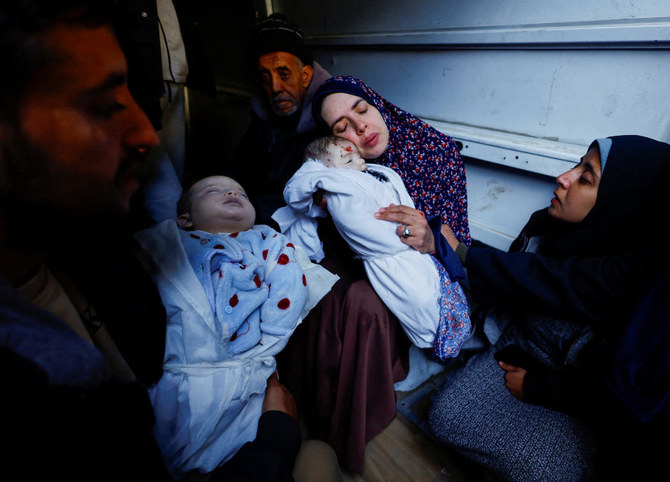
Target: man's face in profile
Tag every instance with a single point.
(73, 153)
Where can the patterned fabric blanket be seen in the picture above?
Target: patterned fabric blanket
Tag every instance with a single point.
(252, 282)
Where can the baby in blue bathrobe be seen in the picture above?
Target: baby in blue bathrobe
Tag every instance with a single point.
(234, 293)
(249, 273)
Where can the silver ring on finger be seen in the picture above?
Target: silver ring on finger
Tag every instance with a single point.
(405, 232)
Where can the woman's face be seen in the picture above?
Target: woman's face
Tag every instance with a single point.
(577, 189)
(352, 118)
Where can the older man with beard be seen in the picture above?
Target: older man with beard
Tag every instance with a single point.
(272, 148)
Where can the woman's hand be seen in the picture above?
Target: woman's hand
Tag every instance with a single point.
(449, 236)
(278, 397)
(413, 229)
(514, 377)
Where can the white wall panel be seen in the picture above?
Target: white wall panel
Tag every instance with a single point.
(521, 83)
(329, 18)
(572, 96)
(499, 202)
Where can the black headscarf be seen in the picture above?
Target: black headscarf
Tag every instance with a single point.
(628, 210)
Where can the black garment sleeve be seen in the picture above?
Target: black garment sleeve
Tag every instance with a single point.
(555, 390)
(591, 287)
(444, 253)
(270, 457)
(579, 392)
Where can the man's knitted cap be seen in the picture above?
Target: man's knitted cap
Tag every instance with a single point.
(277, 33)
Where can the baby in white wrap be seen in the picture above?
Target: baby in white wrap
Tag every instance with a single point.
(414, 286)
(234, 293)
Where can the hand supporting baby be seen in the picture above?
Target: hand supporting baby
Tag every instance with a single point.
(420, 235)
(278, 397)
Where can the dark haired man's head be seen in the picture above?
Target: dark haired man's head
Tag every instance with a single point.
(72, 138)
(21, 24)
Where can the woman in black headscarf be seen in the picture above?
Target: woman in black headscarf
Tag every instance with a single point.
(559, 295)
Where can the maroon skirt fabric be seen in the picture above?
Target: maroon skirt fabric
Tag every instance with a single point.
(341, 364)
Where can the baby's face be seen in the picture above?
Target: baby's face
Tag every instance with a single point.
(220, 205)
(344, 155)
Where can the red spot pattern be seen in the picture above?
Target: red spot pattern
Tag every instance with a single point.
(194, 236)
(283, 259)
(234, 235)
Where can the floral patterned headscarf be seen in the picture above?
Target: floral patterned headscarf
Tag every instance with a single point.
(428, 161)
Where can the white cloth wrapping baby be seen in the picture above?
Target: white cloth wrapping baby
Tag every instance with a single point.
(407, 281)
(209, 399)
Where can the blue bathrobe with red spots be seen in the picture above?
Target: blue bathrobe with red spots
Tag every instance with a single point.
(232, 302)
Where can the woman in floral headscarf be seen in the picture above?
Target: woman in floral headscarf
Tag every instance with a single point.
(342, 362)
(428, 161)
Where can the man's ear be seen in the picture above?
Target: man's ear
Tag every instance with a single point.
(184, 222)
(307, 73)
